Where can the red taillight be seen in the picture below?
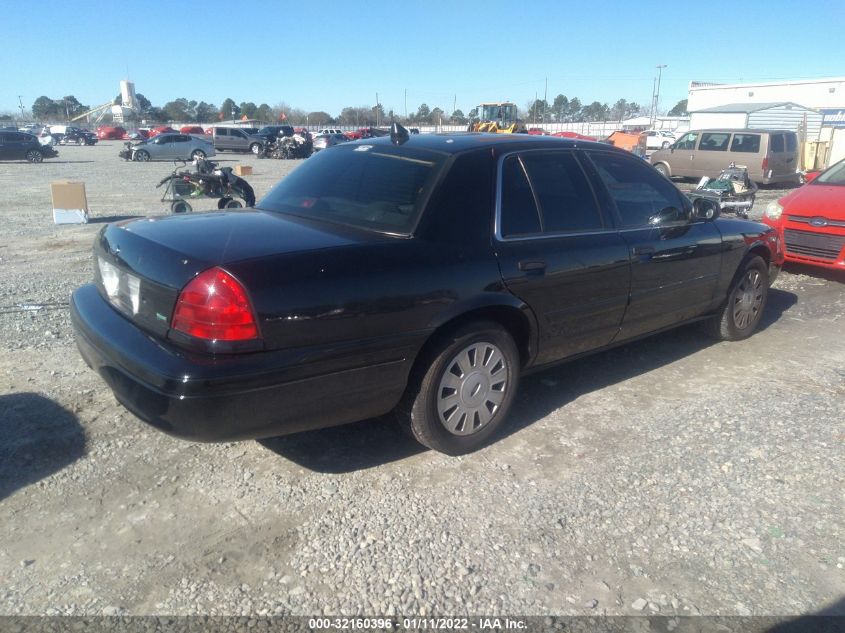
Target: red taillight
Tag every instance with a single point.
(214, 306)
(765, 165)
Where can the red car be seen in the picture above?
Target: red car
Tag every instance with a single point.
(137, 135)
(109, 132)
(811, 220)
(161, 129)
(191, 129)
(575, 135)
(537, 131)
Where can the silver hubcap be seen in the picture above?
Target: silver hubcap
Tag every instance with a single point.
(748, 299)
(472, 388)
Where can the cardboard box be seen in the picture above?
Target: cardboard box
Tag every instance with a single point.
(70, 204)
(243, 170)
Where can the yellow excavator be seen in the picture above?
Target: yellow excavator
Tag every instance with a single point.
(498, 118)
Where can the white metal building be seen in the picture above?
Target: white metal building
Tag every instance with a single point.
(812, 93)
(773, 116)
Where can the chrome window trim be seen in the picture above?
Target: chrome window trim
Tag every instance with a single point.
(497, 224)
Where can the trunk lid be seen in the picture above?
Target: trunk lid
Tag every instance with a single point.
(142, 265)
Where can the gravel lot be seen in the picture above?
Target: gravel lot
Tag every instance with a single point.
(670, 476)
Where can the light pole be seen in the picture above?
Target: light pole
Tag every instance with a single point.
(656, 95)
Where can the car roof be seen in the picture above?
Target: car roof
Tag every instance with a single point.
(454, 142)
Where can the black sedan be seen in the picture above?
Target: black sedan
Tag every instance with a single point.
(420, 276)
(20, 145)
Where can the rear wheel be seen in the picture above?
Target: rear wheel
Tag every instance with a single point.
(462, 389)
(255, 148)
(198, 154)
(741, 313)
(34, 156)
(80, 141)
(142, 156)
(662, 169)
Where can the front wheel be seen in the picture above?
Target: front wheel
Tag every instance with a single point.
(142, 156)
(180, 206)
(740, 315)
(462, 389)
(34, 156)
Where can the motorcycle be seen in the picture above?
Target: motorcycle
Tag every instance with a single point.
(732, 190)
(207, 181)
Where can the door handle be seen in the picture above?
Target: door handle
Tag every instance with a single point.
(528, 266)
(643, 252)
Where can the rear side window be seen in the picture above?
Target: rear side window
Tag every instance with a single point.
(519, 214)
(563, 192)
(220, 131)
(746, 143)
(638, 191)
(777, 143)
(714, 142)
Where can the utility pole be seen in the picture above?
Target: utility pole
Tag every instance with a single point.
(545, 98)
(660, 68)
(20, 101)
(535, 108)
(454, 104)
(406, 104)
(377, 111)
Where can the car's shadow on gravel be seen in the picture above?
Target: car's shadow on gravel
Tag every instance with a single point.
(346, 448)
(37, 438)
(380, 441)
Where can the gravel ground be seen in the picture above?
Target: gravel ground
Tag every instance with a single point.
(669, 476)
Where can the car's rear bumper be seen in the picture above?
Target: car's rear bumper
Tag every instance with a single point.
(223, 398)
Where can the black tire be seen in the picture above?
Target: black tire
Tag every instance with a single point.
(34, 156)
(198, 154)
(741, 312)
(81, 141)
(234, 204)
(222, 202)
(141, 155)
(423, 411)
(662, 169)
(180, 206)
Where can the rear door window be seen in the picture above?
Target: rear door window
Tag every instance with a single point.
(519, 213)
(714, 142)
(777, 143)
(749, 143)
(221, 131)
(566, 200)
(791, 142)
(638, 191)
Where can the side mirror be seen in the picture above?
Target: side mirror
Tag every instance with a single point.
(705, 209)
(667, 216)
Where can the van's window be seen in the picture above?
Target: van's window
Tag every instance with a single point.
(777, 143)
(238, 133)
(380, 188)
(746, 143)
(687, 141)
(637, 189)
(566, 199)
(221, 131)
(519, 215)
(714, 142)
(791, 142)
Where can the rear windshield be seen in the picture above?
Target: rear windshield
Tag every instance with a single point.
(379, 188)
(833, 176)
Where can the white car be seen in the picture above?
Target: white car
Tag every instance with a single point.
(658, 139)
(327, 131)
